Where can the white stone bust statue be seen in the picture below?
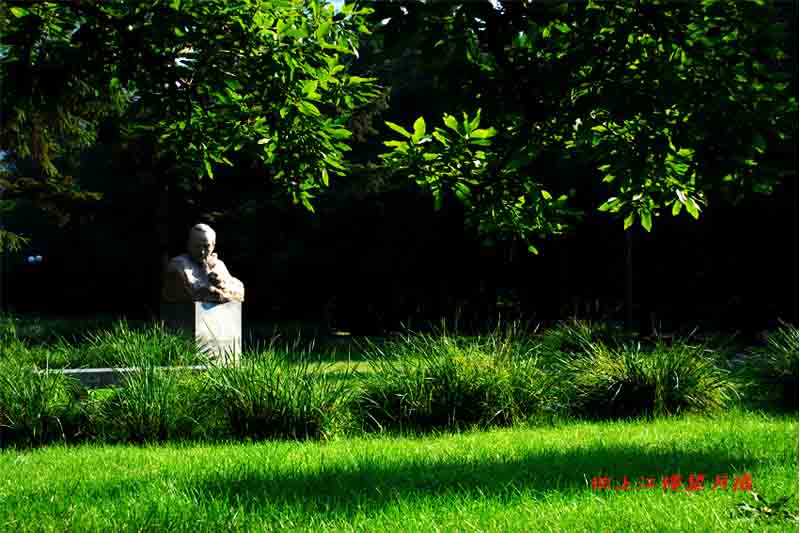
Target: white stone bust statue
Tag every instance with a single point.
(199, 275)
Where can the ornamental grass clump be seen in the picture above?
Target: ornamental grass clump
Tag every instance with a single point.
(14, 348)
(8, 328)
(772, 370)
(37, 331)
(574, 336)
(268, 396)
(423, 382)
(37, 407)
(152, 345)
(152, 405)
(627, 381)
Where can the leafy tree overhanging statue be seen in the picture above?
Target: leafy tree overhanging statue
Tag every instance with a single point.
(191, 82)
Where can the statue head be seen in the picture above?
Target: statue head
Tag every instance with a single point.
(201, 242)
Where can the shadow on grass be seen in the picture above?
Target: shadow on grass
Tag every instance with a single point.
(340, 491)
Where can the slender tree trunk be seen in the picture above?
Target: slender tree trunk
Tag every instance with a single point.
(629, 279)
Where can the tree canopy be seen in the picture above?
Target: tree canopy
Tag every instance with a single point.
(665, 103)
(190, 84)
(524, 119)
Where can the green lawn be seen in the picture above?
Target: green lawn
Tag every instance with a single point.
(519, 479)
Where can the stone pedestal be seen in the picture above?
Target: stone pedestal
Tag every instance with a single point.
(217, 327)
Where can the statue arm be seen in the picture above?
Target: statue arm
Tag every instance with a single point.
(231, 285)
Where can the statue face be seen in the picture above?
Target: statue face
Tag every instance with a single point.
(200, 246)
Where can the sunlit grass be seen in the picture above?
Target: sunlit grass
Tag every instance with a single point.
(518, 479)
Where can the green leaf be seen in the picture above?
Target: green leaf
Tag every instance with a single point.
(441, 138)
(532, 249)
(451, 122)
(562, 27)
(19, 12)
(399, 129)
(473, 125)
(676, 208)
(355, 80)
(438, 199)
(481, 142)
(419, 129)
(612, 204)
(307, 108)
(310, 86)
(395, 144)
(340, 133)
(461, 190)
(323, 30)
(609, 178)
(693, 208)
(325, 179)
(281, 26)
(208, 168)
(603, 168)
(629, 220)
(546, 195)
(647, 222)
(483, 133)
(11, 242)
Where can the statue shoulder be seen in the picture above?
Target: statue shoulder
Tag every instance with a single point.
(180, 263)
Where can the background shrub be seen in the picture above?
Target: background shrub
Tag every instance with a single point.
(626, 381)
(573, 335)
(107, 346)
(772, 370)
(37, 407)
(269, 397)
(151, 345)
(152, 405)
(422, 382)
(14, 348)
(38, 331)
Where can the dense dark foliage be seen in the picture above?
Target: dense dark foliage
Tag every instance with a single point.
(375, 254)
